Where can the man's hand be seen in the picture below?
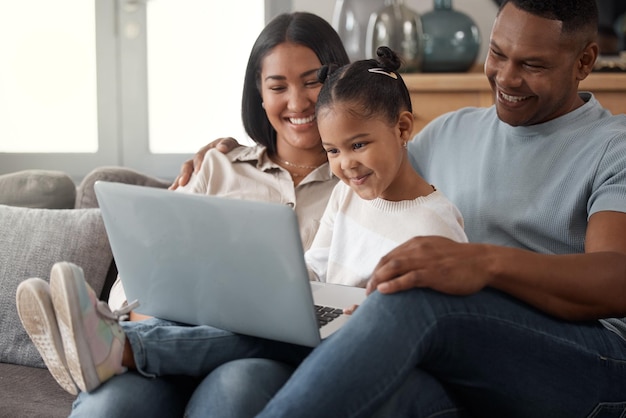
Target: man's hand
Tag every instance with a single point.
(432, 262)
(189, 167)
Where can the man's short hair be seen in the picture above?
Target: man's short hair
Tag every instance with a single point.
(576, 15)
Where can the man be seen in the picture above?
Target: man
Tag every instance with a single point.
(524, 320)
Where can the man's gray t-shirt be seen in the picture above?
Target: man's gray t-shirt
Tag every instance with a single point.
(531, 187)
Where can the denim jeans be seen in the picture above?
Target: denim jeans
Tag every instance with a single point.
(131, 395)
(241, 388)
(412, 354)
(176, 374)
(163, 348)
(495, 355)
(237, 389)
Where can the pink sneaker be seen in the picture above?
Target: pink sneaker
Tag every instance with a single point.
(35, 310)
(93, 339)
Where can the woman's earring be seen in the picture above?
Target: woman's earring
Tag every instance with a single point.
(404, 144)
(263, 105)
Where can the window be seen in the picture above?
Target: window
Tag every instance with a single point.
(195, 90)
(62, 97)
(137, 83)
(54, 112)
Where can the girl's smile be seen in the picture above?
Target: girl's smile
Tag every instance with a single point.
(369, 154)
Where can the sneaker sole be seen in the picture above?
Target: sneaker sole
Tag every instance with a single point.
(34, 307)
(64, 282)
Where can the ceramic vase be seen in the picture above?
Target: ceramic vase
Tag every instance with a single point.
(400, 28)
(620, 30)
(451, 39)
(350, 19)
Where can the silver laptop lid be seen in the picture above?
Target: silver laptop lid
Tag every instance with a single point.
(233, 264)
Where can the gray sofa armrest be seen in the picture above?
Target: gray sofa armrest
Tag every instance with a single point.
(86, 197)
(45, 189)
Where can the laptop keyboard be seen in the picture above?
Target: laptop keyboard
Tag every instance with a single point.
(325, 314)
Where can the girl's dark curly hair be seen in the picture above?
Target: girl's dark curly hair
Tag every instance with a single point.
(373, 87)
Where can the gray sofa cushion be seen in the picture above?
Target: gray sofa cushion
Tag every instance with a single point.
(32, 241)
(38, 189)
(29, 392)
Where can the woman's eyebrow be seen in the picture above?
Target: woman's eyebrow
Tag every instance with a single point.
(309, 72)
(282, 77)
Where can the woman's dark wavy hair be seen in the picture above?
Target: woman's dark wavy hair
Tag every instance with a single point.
(300, 28)
(373, 87)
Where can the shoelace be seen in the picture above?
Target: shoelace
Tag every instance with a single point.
(117, 315)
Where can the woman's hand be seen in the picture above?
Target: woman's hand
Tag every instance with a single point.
(189, 167)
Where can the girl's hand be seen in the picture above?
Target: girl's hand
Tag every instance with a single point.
(350, 310)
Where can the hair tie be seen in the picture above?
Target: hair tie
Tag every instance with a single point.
(381, 71)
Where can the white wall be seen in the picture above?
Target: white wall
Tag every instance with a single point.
(482, 11)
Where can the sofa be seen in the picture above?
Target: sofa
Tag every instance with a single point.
(44, 218)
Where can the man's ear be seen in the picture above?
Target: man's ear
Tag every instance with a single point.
(405, 124)
(586, 60)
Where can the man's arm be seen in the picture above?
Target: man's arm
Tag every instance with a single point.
(189, 167)
(575, 286)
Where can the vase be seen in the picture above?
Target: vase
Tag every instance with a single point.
(620, 30)
(350, 19)
(400, 28)
(451, 39)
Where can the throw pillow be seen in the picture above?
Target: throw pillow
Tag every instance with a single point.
(32, 240)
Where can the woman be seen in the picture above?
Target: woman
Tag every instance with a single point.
(288, 165)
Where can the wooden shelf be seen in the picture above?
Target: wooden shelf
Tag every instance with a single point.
(446, 82)
(433, 94)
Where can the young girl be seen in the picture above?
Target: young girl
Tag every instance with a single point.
(364, 117)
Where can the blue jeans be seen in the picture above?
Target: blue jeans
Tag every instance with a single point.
(238, 389)
(132, 395)
(164, 348)
(241, 388)
(417, 353)
(173, 376)
(235, 390)
(220, 387)
(495, 355)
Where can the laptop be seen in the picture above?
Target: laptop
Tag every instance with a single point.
(236, 265)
